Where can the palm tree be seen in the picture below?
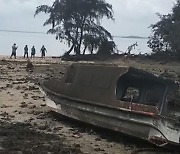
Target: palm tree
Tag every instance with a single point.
(75, 20)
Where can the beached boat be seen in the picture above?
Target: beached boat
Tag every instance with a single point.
(124, 99)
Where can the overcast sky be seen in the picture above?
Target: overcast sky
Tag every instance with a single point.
(132, 17)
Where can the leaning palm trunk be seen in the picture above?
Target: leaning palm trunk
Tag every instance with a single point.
(70, 50)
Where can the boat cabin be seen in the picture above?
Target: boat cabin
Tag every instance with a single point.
(115, 86)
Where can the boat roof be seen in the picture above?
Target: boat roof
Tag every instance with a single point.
(131, 71)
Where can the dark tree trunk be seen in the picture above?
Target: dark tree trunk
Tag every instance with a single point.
(70, 50)
(84, 50)
(81, 37)
(92, 49)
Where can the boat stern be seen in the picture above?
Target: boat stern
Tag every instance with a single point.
(165, 134)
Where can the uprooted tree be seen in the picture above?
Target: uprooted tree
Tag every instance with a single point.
(165, 38)
(78, 23)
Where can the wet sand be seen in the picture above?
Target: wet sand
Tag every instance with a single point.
(28, 126)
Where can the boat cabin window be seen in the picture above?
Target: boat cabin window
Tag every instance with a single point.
(141, 89)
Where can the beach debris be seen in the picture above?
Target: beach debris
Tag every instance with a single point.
(77, 135)
(20, 112)
(37, 97)
(18, 88)
(4, 114)
(43, 104)
(17, 82)
(25, 96)
(29, 120)
(98, 139)
(29, 66)
(32, 106)
(57, 128)
(10, 93)
(4, 106)
(8, 85)
(33, 87)
(4, 60)
(10, 66)
(99, 149)
(23, 105)
(43, 126)
(34, 112)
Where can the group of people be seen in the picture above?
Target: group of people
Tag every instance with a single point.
(33, 51)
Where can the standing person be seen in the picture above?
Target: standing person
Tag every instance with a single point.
(14, 48)
(26, 51)
(33, 52)
(43, 50)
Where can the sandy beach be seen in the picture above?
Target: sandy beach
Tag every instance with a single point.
(29, 127)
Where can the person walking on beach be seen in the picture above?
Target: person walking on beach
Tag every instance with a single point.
(43, 50)
(33, 52)
(26, 51)
(14, 48)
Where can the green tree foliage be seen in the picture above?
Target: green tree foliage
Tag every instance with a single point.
(77, 22)
(165, 36)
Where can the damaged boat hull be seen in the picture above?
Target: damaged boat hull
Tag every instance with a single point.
(138, 123)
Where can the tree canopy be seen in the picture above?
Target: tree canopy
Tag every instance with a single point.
(78, 23)
(165, 36)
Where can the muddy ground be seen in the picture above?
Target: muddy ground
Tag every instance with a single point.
(27, 126)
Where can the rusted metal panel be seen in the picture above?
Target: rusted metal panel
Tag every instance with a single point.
(151, 110)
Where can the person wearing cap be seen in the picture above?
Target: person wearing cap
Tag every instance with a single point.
(14, 48)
